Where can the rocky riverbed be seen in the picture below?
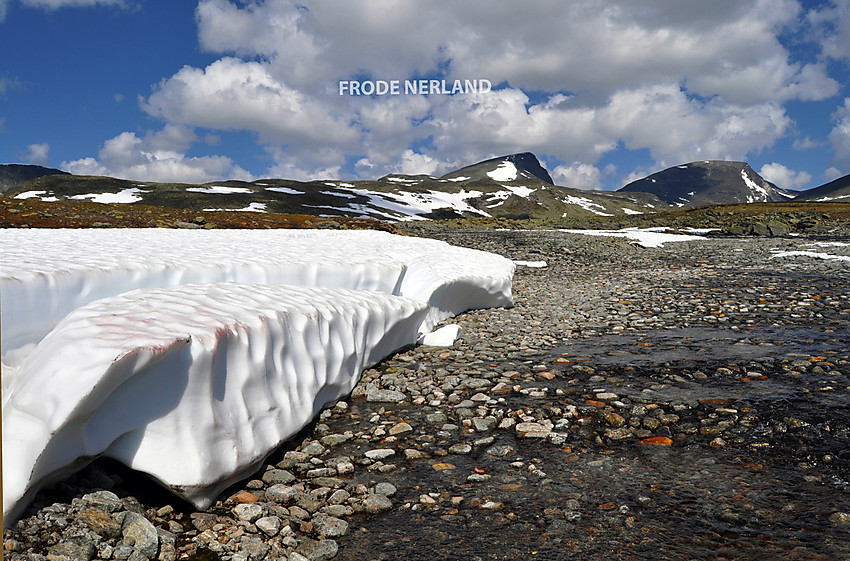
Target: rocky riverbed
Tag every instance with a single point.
(683, 402)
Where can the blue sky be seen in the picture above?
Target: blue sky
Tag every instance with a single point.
(603, 91)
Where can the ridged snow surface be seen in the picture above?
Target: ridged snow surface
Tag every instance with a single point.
(47, 273)
(194, 385)
(191, 355)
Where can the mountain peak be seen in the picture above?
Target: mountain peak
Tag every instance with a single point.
(708, 182)
(513, 167)
(12, 175)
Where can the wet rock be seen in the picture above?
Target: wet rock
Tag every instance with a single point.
(373, 504)
(532, 430)
(384, 396)
(840, 519)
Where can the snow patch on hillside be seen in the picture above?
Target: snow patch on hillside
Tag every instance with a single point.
(252, 207)
(41, 195)
(505, 172)
(124, 196)
(284, 190)
(219, 190)
(759, 194)
(586, 204)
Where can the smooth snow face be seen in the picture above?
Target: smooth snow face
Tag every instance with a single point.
(505, 172)
(171, 340)
(194, 385)
(648, 237)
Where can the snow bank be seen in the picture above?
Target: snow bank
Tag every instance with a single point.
(219, 345)
(194, 385)
(46, 274)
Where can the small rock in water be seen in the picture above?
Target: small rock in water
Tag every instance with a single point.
(532, 430)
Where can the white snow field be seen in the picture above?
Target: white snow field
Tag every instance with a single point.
(644, 237)
(192, 354)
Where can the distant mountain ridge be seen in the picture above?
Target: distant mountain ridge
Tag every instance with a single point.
(707, 183)
(837, 190)
(12, 175)
(515, 186)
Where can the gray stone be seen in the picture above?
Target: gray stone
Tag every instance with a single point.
(436, 418)
(104, 500)
(100, 522)
(269, 525)
(318, 550)
(277, 476)
(380, 453)
(373, 504)
(281, 493)
(249, 512)
(328, 526)
(483, 424)
(385, 489)
(75, 549)
(532, 430)
(255, 548)
(462, 448)
(167, 545)
(144, 534)
(384, 396)
(500, 451)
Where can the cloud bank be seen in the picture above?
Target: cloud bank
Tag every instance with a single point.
(573, 82)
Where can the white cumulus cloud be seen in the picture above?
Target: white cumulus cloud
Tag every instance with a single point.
(38, 154)
(785, 178)
(578, 176)
(156, 157)
(839, 137)
(574, 80)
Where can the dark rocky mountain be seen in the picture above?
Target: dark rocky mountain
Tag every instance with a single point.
(514, 186)
(12, 175)
(506, 168)
(707, 183)
(837, 190)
